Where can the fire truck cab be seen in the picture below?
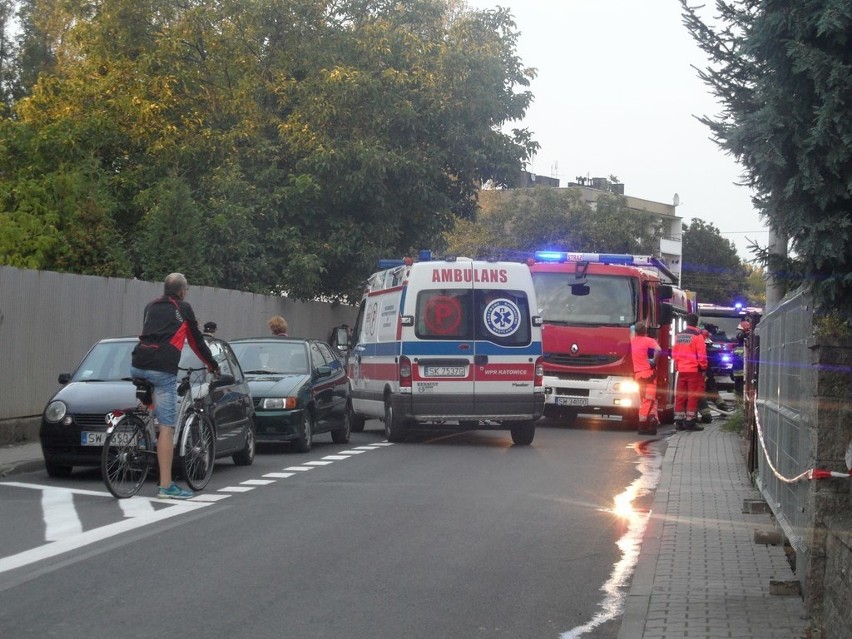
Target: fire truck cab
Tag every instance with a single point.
(724, 352)
(589, 303)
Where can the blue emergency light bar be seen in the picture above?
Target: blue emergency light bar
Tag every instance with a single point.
(607, 258)
(603, 258)
(424, 255)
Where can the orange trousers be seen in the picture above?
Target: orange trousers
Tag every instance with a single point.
(647, 399)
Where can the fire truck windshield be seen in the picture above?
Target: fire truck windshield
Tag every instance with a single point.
(610, 299)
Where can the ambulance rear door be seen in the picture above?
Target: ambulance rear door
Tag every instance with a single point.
(505, 346)
(440, 344)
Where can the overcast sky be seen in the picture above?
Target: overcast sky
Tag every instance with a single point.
(616, 94)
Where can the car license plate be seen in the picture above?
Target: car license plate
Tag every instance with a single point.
(572, 401)
(444, 371)
(89, 438)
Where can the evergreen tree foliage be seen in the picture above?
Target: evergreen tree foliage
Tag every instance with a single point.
(783, 71)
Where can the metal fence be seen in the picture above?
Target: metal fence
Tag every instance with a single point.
(785, 407)
(49, 320)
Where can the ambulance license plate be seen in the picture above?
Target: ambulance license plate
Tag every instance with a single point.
(444, 371)
(572, 401)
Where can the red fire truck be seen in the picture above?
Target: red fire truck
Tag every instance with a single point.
(589, 303)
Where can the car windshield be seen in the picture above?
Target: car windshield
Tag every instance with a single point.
(106, 362)
(721, 329)
(271, 357)
(610, 300)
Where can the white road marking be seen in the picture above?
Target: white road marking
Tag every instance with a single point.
(60, 516)
(76, 491)
(136, 506)
(79, 540)
(209, 497)
(64, 529)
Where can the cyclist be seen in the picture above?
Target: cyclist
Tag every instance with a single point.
(169, 321)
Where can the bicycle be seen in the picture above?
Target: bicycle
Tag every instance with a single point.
(130, 446)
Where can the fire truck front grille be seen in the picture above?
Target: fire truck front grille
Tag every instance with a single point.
(580, 360)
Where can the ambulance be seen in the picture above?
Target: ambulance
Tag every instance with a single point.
(449, 343)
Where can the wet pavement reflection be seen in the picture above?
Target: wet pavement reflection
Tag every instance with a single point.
(627, 508)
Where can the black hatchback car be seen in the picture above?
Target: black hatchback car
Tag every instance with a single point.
(299, 388)
(73, 423)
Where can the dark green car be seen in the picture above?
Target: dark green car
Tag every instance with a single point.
(299, 389)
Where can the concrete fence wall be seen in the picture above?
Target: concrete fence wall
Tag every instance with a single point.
(49, 320)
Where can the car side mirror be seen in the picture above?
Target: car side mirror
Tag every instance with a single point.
(342, 339)
(222, 380)
(64, 378)
(323, 371)
(666, 314)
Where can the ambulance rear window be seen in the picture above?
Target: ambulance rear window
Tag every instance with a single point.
(444, 314)
(495, 315)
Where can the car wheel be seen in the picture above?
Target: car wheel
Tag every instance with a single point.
(523, 433)
(395, 429)
(356, 421)
(57, 470)
(245, 457)
(305, 440)
(341, 435)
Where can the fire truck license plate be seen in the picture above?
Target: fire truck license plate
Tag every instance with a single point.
(572, 401)
(444, 371)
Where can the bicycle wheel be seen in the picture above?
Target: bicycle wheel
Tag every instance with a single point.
(125, 458)
(197, 450)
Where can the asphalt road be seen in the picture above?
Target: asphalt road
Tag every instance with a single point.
(448, 535)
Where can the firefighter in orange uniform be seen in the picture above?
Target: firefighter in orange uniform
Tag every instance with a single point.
(645, 351)
(690, 358)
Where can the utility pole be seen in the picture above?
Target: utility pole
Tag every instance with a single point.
(774, 287)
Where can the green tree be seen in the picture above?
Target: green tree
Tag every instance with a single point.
(783, 71)
(755, 285)
(297, 140)
(710, 265)
(515, 223)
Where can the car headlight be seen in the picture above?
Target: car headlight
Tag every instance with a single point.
(626, 387)
(55, 411)
(278, 403)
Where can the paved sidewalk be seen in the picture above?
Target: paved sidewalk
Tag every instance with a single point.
(700, 574)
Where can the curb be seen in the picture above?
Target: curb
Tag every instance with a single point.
(21, 467)
(638, 598)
